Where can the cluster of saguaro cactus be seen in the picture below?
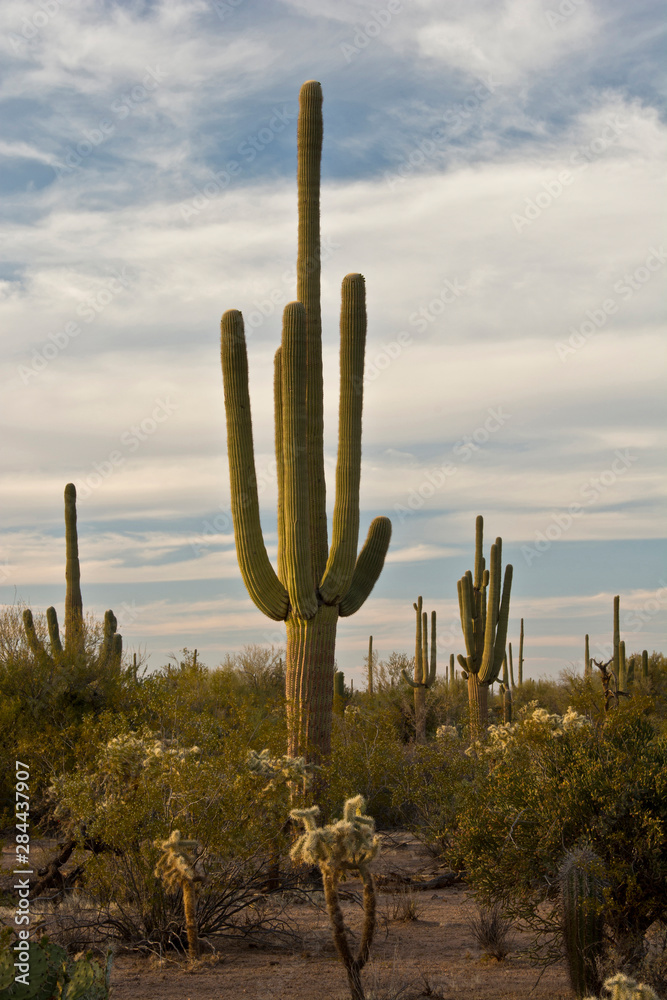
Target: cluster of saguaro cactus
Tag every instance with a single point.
(50, 973)
(582, 884)
(349, 844)
(177, 868)
(314, 584)
(484, 622)
(111, 650)
(425, 667)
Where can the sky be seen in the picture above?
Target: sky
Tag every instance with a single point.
(494, 169)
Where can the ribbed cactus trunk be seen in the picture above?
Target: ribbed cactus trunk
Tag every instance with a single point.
(74, 635)
(616, 656)
(588, 668)
(520, 678)
(315, 584)
(478, 705)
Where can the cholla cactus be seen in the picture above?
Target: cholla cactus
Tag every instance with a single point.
(620, 987)
(178, 869)
(349, 844)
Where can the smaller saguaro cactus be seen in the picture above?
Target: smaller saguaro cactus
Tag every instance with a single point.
(452, 667)
(645, 673)
(582, 884)
(520, 677)
(623, 676)
(588, 666)
(349, 844)
(339, 693)
(370, 664)
(484, 625)
(511, 662)
(425, 667)
(177, 869)
(616, 658)
(506, 692)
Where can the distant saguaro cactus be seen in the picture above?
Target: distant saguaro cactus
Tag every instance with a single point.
(425, 667)
(484, 624)
(370, 664)
(588, 666)
(111, 651)
(314, 584)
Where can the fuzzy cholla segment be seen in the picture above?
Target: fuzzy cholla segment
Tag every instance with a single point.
(177, 864)
(621, 987)
(349, 843)
(279, 770)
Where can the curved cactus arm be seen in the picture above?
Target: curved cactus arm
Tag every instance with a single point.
(54, 631)
(368, 566)
(464, 662)
(308, 268)
(74, 637)
(278, 423)
(502, 623)
(296, 557)
(345, 533)
(466, 610)
(264, 587)
(34, 643)
(406, 677)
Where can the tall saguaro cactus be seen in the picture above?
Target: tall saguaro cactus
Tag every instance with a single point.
(314, 584)
(425, 667)
(484, 623)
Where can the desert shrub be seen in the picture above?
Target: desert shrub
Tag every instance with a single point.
(366, 758)
(552, 783)
(134, 788)
(492, 931)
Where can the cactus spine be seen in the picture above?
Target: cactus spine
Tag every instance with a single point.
(484, 623)
(425, 667)
(315, 584)
(582, 896)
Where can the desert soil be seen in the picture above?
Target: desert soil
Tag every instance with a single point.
(433, 955)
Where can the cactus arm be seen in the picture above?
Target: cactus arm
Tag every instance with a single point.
(308, 267)
(617, 638)
(502, 623)
(74, 637)
(367, 567)
(296, 557)
(278, 422)
(345, 533)
(424, 659)
(406, 676)
(479, 555)
(34, 644)
(54, 631)
(486, 671)
(464, 662)
(418, 641)
(263, 585)
(520, 678)
(466, 607)
(434, 653)
(512, 684)
(117, 650)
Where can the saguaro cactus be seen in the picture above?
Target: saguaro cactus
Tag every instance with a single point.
(520, 677)
(425, 667)
(616, 655)
(582, 883)
(484, 624)
(314, 585)
(370, 664)
(111, 651)
(588, 666)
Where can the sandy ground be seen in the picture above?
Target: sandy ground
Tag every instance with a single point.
(433, 955)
